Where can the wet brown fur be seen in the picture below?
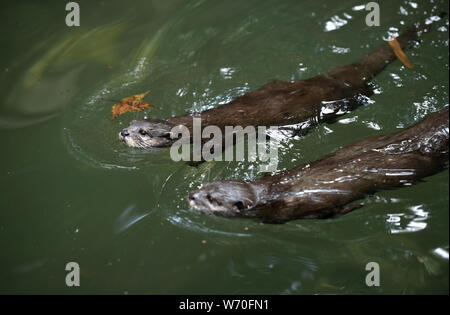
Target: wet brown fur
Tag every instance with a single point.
(324, 187)
(283, 103)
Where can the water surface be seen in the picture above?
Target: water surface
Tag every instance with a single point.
(70, 191)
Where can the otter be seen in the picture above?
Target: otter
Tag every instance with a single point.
(302, 103)
(325, 187)
(147, 133)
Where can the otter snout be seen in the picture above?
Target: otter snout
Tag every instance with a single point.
(223, 198)
(124, 133)
(192, 196)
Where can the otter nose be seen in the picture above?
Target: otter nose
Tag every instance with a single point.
(124, 133)
(192, 196)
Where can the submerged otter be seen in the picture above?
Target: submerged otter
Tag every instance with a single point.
(323, 188)
(302, 103)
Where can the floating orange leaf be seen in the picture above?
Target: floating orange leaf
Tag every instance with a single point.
(130, 104)
(398, 51)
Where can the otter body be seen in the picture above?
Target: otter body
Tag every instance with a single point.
(323, 188)
(302, 103)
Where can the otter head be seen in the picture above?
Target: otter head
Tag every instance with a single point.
(224, 198)
(147, 133)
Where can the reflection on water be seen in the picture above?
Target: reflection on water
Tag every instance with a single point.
(186, 223)
(21, 109)
(441, 252)
(336, 22)
(408, 222)
(129, 217)
(54, 79)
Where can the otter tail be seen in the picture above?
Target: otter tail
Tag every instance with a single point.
(375, 62)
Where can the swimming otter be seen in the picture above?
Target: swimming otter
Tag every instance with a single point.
(302, 103)
(322, 188)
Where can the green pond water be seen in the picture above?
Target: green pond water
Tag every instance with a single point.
(71, 192)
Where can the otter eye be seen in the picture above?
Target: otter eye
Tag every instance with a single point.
(142, 132)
